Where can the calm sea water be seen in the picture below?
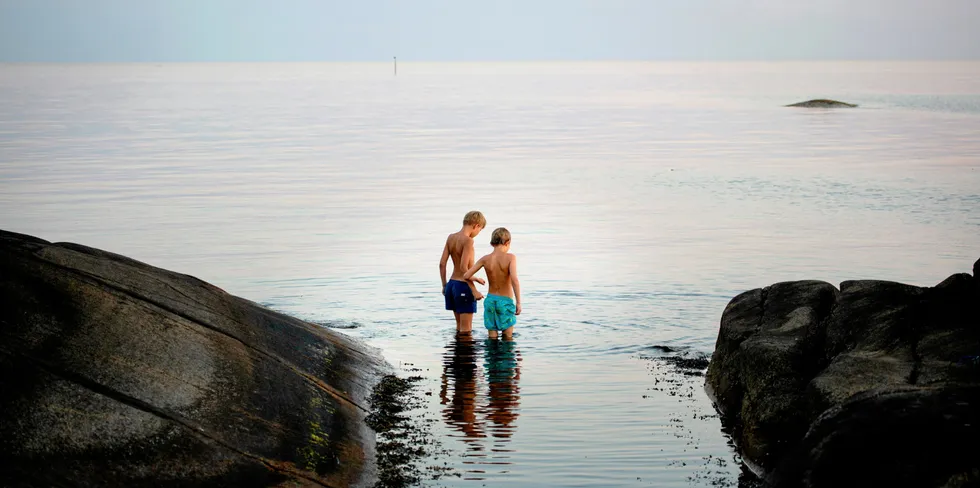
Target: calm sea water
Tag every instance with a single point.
(641, 198)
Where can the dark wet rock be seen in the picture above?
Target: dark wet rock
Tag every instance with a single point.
(758, 373)
(689, 366)
(790, 357)
(921, 438)
(117, 373)
(823, 103)
(684, 362)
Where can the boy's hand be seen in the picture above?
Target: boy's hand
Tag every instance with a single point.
(477, 295)
(478, 280)
(518, 312)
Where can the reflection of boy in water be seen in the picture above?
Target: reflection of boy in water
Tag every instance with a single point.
(459, 366)
(502, 363)
(503, 371)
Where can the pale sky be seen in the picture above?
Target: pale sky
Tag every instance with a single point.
(469, 30)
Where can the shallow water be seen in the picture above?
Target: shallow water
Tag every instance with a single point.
(641, 198)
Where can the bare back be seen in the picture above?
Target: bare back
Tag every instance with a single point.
(497, 266)
(460, 248)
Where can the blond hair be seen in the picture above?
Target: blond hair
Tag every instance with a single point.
(474, 217)
(500, 236)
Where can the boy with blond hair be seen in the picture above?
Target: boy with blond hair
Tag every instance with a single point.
(499, 309)
(461, 294)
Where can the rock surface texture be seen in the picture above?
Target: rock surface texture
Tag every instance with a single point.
(823, 103)
(874, 384)
(117, 373)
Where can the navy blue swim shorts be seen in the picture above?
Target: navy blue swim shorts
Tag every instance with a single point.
(459, 297)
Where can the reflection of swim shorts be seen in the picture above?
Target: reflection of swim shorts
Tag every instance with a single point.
(459, 297)
(501, 359)
(499, 312)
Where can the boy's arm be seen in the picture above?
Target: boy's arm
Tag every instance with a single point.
(469, 252)
(442, 265)
(512, 270)
(468, 276)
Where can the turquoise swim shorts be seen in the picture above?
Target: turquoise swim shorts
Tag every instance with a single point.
(499, 312)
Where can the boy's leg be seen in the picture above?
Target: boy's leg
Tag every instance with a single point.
(465, 322)
(492, 334)
(457, 320)
(509, 333)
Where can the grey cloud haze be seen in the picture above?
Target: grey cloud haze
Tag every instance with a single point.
(449, 30)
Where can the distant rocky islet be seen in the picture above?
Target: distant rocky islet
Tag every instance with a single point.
(822, 103)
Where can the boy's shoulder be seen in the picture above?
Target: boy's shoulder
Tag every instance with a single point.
(457, 241)
(459, 235)
(506, 258)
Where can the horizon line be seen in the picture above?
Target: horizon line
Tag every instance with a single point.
(543, 60)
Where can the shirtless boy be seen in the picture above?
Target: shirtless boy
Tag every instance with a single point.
(500, 310)
(461, 294)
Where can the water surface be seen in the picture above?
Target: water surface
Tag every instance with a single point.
(641, 198)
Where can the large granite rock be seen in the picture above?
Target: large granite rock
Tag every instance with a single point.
(814, 381)
(919, 437)
(116, 373)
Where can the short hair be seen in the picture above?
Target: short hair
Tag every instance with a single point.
(500, 236)
(474, 217)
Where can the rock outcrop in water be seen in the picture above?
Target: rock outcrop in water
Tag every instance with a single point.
(875, 384)
(116, 373)
(823, 103)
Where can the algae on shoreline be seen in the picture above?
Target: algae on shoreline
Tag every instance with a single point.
(405, 441)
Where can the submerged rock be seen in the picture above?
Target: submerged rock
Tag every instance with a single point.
(823, 103)
(873, 376)
(117, 373)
